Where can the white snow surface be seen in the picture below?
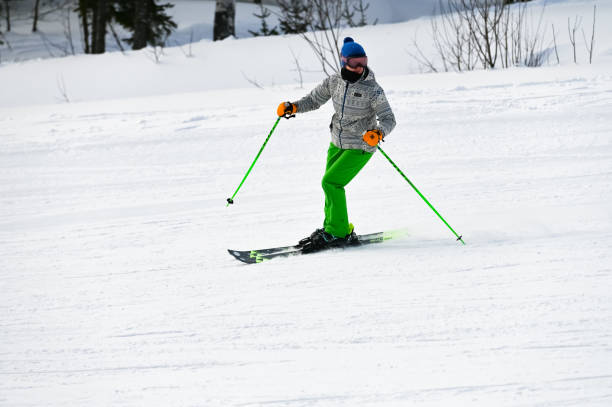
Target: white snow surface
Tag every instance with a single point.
(266, 62)
(116, 287)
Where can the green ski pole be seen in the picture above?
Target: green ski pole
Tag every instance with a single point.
(460, 238)
(231, 200)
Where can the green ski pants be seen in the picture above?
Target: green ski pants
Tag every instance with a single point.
(342, 166)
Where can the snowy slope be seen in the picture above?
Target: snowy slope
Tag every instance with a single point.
(116, 287)
(268, 62)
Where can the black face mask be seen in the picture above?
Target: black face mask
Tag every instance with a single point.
(351, 76)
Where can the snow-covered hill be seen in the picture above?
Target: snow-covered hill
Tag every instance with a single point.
(116, 287)
(59, 31)
(267, 62)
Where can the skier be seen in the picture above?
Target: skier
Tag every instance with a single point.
(361, 120)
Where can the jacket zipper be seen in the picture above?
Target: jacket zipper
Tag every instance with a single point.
(342, 116)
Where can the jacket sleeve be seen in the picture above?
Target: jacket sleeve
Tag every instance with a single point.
(384, 114)
(314, 99)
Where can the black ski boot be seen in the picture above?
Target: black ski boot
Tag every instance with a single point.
(320, 240)
(308, 239)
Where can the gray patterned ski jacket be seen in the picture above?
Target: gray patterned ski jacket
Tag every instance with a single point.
(358, 106)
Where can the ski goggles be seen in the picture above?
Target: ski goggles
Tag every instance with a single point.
(354, 62)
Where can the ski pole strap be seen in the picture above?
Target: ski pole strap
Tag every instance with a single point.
(459, 238)
(231, 200)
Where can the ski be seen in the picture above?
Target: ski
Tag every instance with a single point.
(279, 249)
(261, 255)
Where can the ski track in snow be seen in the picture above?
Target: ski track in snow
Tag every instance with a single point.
(117, 288)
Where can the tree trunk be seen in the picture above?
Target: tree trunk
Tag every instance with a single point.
(225, 14)
(85, 24)
(35, 23)
(98, 43)
(141, 22)
(8, 15)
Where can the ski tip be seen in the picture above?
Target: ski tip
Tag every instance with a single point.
(244, 257)
(234, 253)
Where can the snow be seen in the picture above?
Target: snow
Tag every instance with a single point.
(194, 19)
(266, 62)
(116, 287)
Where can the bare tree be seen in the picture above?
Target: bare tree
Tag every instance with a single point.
(555, 43)
(486, 33)
(572, 29)
(590, 46)
(61, 86)
(453, 40)
(534, 42)
(43, 8)
(483, 19)
(325, 38)
(251, 81)
(66, 48)
(66, 23)
(298, 68)
(189, 53)
(320, 23)
(155, 52)
(115, 36)
(421, 58)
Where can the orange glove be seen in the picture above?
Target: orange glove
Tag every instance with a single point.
(286, 110)
(372, 137)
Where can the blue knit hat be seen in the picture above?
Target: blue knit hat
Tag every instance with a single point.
(351, 49)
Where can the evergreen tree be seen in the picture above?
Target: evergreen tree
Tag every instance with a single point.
(358, 8)
(296, 16)
(98, 32)
(147, 20)
(263, 14)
